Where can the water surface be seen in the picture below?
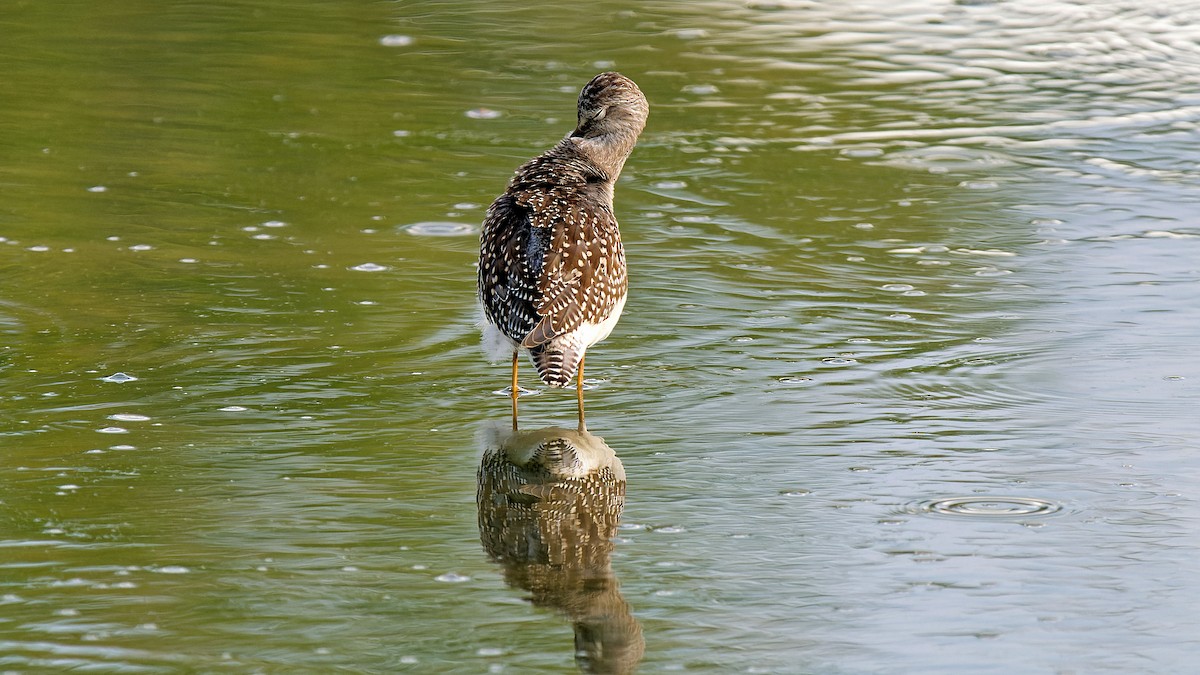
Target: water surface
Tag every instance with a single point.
(900, 273)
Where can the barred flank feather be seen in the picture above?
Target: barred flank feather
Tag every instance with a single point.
(555, 366)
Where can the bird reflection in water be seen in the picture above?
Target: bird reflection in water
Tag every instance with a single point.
(549, 504)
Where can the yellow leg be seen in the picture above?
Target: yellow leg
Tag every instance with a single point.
(579, 394)
(515, 392)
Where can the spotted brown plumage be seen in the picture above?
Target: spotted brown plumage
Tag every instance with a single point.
(552, 274)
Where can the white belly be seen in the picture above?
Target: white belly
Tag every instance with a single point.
(496, 345)
(591, 333)
(499, 347)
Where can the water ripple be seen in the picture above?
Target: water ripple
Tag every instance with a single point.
(988, 507)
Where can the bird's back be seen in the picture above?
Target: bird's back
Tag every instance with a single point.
(552, 268)
(552, 274)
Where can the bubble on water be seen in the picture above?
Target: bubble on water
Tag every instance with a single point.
(39, 248)
(171, 569)
(128, 417)
(862, 152)
(838, 361)
(900, 316)
(701, 89)
(984, 251)
(122, 447)
(791, 379)
(141, 247)
(451, 578)
(188, 261)
(1167, 234)
(991, 272)
(370, 267)
(68, 487)
(466, 206)
(741, 338)
(896, 287)
(669, 185)
(113, 430)
(483, 113)
(233, 408)
(979, 184)
(1174, 378)
(669, 529)
(988, 507)
(864, 226)
(858, 340)
(396, 40)
(97, 188)
(274, 223)
(439, 229)
(263, 237)
(690, 33)
(409, 660)
(796, 492)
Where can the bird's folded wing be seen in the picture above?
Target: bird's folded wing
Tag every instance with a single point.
(507, 283)
(578, 280)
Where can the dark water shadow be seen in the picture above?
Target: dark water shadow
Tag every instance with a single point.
(549, 504)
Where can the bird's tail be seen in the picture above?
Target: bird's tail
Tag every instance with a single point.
(556, 363)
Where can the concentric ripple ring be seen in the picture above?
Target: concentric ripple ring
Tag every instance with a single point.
(439, 229)
(990, 507)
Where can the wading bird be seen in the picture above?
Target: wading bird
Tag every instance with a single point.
(551, 265)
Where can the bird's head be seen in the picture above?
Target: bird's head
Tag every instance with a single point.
(611, 104)
(612, 114)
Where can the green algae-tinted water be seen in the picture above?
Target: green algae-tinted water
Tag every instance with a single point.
(883, 256)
